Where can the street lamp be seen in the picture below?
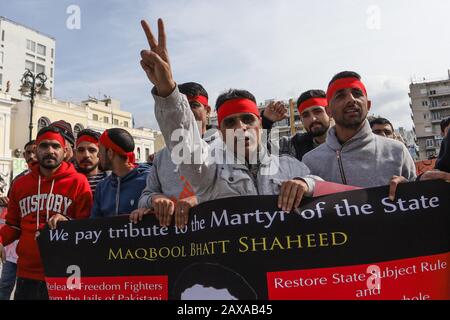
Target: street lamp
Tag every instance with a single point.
(34, 84)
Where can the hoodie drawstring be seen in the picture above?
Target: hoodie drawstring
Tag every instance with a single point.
(39, 202)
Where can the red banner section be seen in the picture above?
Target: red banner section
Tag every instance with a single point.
(421, 278)
(108, 288)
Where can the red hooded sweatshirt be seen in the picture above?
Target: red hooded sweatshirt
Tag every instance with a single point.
(67, 192)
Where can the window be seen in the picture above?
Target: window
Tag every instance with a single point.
(425, 115)
(31, 45)
(3, 35)
(53, 52)
(1, 81)
(428, 130)
(424, 103)
(434, 103)
(125, 124)
(29, 65)
(105, 119)
(436, 116)
(432, 91)
(51, 72)
(51, 92)
(40, 68)
(77, 128)
(41, 49)
(147, 153)
(116, 122)
(1, 56)
(139, 154)
(429, 143)
(43, 122)
(95, 117)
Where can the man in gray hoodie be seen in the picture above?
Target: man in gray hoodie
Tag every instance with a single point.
(168, 194)
(352, 154)
(240, 126)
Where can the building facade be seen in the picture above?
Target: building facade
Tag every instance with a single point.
(92, 114)
(5, 148)
(430, 103)
(23, 48)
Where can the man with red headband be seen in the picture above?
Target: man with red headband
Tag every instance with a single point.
(86, 156)
(52, 192)
(312, 110)
(168, 194)
(353, 154)
(248, 168)
(119, 192)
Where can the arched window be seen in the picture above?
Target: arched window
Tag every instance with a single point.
(77, 128)
(43, 122)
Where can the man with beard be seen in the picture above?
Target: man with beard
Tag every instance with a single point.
(86, 155)
(119, 192)
(246, 168)
(167, 193)
(311, 108)
(52, 192)
(352, 153)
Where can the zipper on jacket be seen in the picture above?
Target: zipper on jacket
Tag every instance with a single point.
(341, 167)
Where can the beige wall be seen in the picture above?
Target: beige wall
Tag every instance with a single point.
(54, 110)
(5, 131)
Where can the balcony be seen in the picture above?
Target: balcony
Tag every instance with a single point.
(440, 93)
(442, 106)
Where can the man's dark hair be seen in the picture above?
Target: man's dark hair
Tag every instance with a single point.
(65, 129)
(381, 121)
(29, 143)
(445, 123)
(49, 129)
(316, 93)
(90, 133)
(212, 275)
(233, 94)
(345, 74)
(192, 89)
(122, 138)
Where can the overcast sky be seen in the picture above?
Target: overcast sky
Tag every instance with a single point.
(275, 49)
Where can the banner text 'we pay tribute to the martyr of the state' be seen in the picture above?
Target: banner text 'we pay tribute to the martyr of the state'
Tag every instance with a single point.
(350, 245)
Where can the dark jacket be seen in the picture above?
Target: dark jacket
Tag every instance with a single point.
(115, 195)
(443, 161)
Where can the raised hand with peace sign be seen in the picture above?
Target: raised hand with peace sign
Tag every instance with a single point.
(155, 61)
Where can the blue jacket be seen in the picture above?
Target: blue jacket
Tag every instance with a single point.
(115, 195)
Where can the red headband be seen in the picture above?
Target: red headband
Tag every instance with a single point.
(239, 105)
(86, 138)
(322, 102)
(200, 99)
(106, 141)
(345, 83)
(49, 135)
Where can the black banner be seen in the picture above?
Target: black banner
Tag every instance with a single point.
(350, 245)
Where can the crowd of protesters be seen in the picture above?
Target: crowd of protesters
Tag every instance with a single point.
(95, 174)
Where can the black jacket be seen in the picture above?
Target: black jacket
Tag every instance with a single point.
(443, 161)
